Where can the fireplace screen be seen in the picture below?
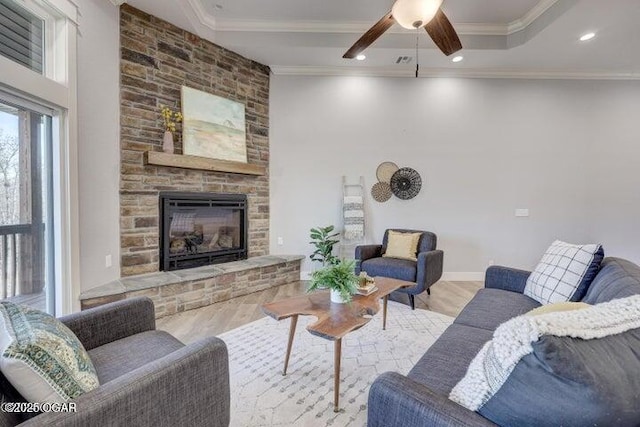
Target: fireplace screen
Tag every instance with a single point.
(201, 229)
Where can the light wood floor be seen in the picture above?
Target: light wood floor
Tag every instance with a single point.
(446, 297)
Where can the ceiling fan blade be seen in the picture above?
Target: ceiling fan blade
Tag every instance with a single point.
(370, 36)
(443, 34)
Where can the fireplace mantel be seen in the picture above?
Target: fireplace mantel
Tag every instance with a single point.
(157, 158)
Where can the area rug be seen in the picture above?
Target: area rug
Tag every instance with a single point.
(261, 396)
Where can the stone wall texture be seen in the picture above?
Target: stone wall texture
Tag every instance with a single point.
(157, 59)
(192, 294)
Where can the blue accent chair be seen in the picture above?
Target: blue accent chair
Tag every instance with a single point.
(424, 272)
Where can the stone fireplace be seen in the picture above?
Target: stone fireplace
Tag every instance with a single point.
(157, 59)
(199, 229)
(171, 227)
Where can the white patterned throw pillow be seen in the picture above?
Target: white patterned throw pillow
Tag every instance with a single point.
(41, 357)
(564, 273)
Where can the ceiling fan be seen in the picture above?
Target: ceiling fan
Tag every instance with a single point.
(413, 14)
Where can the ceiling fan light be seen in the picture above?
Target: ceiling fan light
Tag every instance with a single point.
(413, 14)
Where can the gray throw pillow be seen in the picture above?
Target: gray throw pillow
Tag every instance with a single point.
(572, 382)
(563, 368)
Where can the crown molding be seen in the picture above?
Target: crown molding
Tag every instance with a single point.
(355, 27)
(530, 17)
(203, 18)
(263, 26)
(487, 73)
(271, 26)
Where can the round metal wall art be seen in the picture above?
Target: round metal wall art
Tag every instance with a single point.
(381, 192)
(406, 183)
(385, 171)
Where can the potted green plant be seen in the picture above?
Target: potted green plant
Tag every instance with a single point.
(324, 239)
(339, 278)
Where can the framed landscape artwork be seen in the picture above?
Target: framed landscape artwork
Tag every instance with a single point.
(213, 127)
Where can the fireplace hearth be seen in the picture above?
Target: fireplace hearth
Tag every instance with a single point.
(199, 229)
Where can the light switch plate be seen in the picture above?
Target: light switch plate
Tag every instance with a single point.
(522, 212)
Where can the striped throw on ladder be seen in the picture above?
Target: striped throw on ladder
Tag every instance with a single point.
(353, 212)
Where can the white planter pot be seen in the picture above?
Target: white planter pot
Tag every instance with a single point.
(336, 297)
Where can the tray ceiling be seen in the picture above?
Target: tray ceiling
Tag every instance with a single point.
(501, 38)
(476, 11)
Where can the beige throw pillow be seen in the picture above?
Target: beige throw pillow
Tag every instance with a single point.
(402, 245)
(559, 306)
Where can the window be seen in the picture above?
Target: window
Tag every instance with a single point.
(22, 36)
(26, 220)
(39, 191)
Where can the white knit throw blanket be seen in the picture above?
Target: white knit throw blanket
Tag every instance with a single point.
(513, 340)
(353, 211)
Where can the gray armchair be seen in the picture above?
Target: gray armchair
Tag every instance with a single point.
(424, 272)
(147, 377)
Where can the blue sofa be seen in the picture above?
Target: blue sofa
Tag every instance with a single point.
(421, 397)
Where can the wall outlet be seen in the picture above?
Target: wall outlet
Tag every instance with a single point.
(107, 261)
(522, 212)
(490, 263)
(280, 241)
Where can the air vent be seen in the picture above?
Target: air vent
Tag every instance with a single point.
(404, 59)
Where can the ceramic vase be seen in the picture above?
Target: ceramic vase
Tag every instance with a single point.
(167, 142)
(336, 297)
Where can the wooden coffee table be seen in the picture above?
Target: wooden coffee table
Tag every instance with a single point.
(334, 320)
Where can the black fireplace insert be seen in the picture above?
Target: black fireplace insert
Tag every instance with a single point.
(199, 229)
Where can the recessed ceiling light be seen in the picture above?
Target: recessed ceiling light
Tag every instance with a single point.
(587, 36)
(361, 57)
(458, 58)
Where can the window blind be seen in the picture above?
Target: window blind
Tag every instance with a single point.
(21, 36)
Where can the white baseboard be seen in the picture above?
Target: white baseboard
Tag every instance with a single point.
(452, 276)
(449, 276)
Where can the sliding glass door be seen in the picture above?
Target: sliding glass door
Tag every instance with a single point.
(26, 202)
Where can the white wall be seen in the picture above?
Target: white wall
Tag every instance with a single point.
(563, 149)
(616, 174)
(483, 148)
(98, 142)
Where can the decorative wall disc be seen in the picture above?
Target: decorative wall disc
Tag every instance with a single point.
(385, 171)
(406, 183)
(381, 192)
